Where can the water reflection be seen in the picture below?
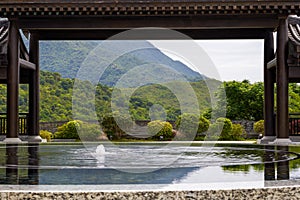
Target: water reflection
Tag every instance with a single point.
(269, 166)
(277, 161)
(33, 163)
(48, 164)
(12, 164)
(21, 164)
(283, 169)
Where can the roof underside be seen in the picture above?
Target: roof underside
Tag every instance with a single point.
(146, 7)
(294, 41)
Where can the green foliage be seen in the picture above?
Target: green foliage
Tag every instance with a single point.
(78, 130)
(89, 132)
(46, 135)
(238, 132)
(115, 125)
(222, 126)
(160, 130)
(259, 127)
(68, 130)
(243, 100)
(56, 95)
(213, 133)
(227, 128)
(64, 57)
(191, 125)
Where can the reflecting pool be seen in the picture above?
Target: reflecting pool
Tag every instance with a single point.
(145, 165)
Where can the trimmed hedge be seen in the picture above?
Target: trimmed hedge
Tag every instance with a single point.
(111, 127)
(227, 130)
(259, 127)
(160, 130)
(87, 132)
(190, 122)
(46, 135)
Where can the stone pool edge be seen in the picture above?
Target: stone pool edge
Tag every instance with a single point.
(291, 192)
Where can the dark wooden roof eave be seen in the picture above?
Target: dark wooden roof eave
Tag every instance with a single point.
(21, 8)
(24, 55)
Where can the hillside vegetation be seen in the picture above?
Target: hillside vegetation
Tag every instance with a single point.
(243, 101)
(56, 98)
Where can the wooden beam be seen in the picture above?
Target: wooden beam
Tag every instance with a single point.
(272, 64)
(27, 65)
(294, 72)
(146, 34)
(173, 22)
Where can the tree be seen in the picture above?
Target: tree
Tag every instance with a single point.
(243, 100)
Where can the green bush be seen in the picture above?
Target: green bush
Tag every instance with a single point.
(160, 130)
(68, 130)
(89, 132)
(259, 127)
(112, 129)
(222, 125)
(213, 131)
(238, 132)
(46, 135)
(227, 128)
(190, 122)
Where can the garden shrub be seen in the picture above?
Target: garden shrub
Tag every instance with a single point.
(227, 128)
(190, 122)
(114, 129)
(259, 127)
(238, 132)
(160, 130)
(213, 131)
(46, 135)
(68, 130)
(222, 125)
(87, 131)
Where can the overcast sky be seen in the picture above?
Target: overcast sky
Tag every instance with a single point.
(236, 59)
(233, 59)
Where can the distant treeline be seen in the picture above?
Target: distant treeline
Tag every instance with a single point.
(243, 100)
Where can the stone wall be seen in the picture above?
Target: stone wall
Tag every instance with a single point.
(51, 126)
(248, 126)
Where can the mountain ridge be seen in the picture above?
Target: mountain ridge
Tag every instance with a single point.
(66, 57)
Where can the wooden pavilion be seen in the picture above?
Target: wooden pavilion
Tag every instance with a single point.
(199, 19)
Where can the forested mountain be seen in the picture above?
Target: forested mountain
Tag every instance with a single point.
(56, 98)
(67, 57)
(244, 100)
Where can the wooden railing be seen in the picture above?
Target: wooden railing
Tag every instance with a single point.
(23, 118)
(294, 124)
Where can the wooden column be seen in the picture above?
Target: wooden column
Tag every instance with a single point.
(13, 72)
(269, 77)
(282, 74)
(34, 83)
